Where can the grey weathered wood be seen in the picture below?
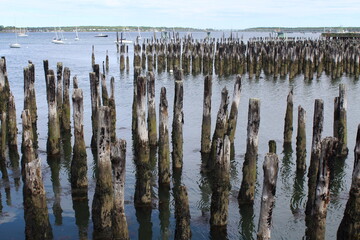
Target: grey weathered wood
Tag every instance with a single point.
(118, 160)
(340, 121)
(103, 202)
(288, 127)
(206, 119)
(271, 169)
(234, 109)
(112, 107)
(315, 152)
(178, 121)
(35, 208)
(182, 214)
(247, 189)
(12, 129)
(301, 141)
(221, 187)
(59, 89)
(65, 119)
(79, 168)
(164, 149)
(350, 224)
(316, 226)
(151, 120)
(53, 143)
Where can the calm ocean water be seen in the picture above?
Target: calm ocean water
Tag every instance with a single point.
(291, 195)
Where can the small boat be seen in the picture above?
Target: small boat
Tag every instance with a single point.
(22, 33)
(101, 35)
(57, 39)
(15, 45)
(77, 35)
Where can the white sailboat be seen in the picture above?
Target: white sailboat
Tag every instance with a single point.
(16, 44)
(57, 39)
(77, 35)
(22, 33)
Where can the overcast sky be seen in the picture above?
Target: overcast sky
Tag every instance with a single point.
(218, 14)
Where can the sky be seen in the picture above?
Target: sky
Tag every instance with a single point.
(217, 14)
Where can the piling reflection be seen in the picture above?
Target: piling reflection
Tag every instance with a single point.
(298, 195)
(66, 152)
(164, 211)
(82, 214)
(246, 223)
(54, 164)
(285, 169)
(143, 216)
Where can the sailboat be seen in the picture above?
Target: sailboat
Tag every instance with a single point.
(22, 33)
(77, 35)
(57, 39)
(16, 44)
(139, 35)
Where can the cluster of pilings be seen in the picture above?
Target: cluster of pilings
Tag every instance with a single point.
(226, 56)
(108, 213)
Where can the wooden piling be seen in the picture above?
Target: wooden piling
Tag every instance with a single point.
(317, 223)
(247, 189)
(103, 202)
(35, 208)
(3, 134)
(107, 62)
(65, 119)
(315, 152)
(234, 109)
(12, 129)
(221, 187)
(288, 127)
(118, 160)
(151, 120)
(220, 128)
(95, 103)
(206, 119)
(350, 224)
(301, 141)
(104, 92)
(112, 107)
(142, 138)
(30, 98)
(272, 146)
(53, 143)
(178, 121)
(59, 89)
(271, 168)
(164, 149)
(79, 181)
(340, 121)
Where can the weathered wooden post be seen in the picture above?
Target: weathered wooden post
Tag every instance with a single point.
(221, 187)
(317, 222)
(95, 103)
(220, 128)
(35, 208)
(142, 139)
(79, 181)
(112, 107)
(107, 62)
(137, 71)
(118, 160)
(151, 120)
(30, 98)
(247, 189)
(103, 202)
(3, 133)
(315, 152)
(234, 109)
(272, 146)
(65, 119)
(340, 121)
(350, 225)
(271, 168)
(92, 56)
(46, 70)
(178, 121)
(59, 89)
(182, 214)
(12, 133)
(53, 143)
(288, 127)
(301, 141)
(206, 119)
(164, 150)
(104, 92)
